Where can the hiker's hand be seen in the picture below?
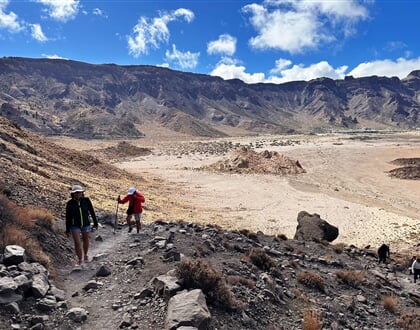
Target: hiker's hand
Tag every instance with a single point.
(67, 233)
(118, 199)
(95, 227)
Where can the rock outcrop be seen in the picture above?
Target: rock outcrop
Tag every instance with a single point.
(312, 228)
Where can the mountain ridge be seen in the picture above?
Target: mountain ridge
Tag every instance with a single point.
(64, 97)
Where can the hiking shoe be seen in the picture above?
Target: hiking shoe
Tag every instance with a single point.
(130, 229)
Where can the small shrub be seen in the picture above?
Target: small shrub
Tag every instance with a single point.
(233, 280)
(197, 274)
(7, 214)
(261, 259)
(249, 234)
(198, 251)
(280, 237)
(339, 247)
(22, 217)
(409, 320)
(311, 279)
(351, 277)
(13, 235)
(42, 217)
(300, 295)
(311, 320)
(390, 303)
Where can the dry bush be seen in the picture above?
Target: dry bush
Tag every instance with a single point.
(233, 280)
(339, 247)
(42, 217)
(22, 217)
(197, 274)
(390, 303)
(261, 259)
(280, 237)
(311, 279)
(311, 320)
(249, 234)
(300, 295)
(199, 251)
(351, 277)
(7, 214)
(17, 229)
(410, 320)
(13, 235)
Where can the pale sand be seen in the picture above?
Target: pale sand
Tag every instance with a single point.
(346, 184)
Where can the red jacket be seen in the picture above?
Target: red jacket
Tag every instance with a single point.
(136, 199)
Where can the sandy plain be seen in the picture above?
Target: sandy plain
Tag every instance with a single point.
(346, 183)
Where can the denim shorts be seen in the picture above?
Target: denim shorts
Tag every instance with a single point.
(85, 229)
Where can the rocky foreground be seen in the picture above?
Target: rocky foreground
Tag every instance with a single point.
(186, 276)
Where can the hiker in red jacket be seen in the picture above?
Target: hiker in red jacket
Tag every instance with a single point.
(135, 200)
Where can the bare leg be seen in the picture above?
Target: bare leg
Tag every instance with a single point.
(85, 236)
(138, 226)
(77, 244)
(129, 222)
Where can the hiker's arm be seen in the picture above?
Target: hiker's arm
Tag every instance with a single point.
(92, 213)
(123, 200)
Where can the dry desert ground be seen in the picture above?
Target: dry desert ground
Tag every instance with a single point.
(346, 183)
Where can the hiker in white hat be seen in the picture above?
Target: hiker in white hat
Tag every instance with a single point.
(135, 200)
(78, 209)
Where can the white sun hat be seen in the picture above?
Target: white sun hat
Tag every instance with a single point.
(131, 190)
(77, 188)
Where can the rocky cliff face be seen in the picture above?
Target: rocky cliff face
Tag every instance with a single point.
(94, 101)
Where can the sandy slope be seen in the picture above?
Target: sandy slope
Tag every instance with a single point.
(346, 184)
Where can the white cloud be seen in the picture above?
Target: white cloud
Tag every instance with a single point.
(232, 71)
(61, 10)
(225, 45)
(152, 32)
(37, 33)
(285, 71)
(185, 60)
(388, 68)
(297, 25)
(9, 21)
(282, 73)
(54, 57)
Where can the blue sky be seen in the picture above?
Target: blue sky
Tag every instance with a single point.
(255, 41)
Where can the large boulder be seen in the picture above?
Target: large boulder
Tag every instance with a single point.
(13, 255)
(188, 309)
(312, 228)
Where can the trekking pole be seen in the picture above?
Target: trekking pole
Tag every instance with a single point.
(116, 214)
